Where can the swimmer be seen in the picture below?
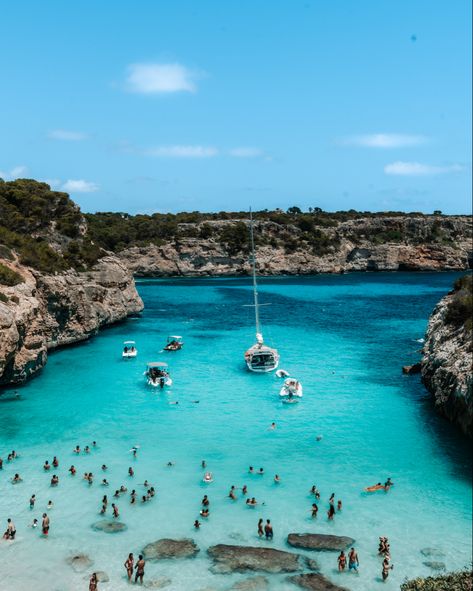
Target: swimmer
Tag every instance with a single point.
(314, 510)
(146, 484)
(45, 524)
(152, 492)
(260, 528)
(277, 479)
(133, 497)
(54, 480)
(93, 582)
(72, 470)
(47, 466)
(332, 499)
(10, 532)
(16, 479)
(131, 471)
(195, 401)
(388, 484)
(268, 530)
(272, 426)
(353, 562)
(342, 561)
(129, 565)
(76, 450)
(261, 471)
(318, 438)
(123, 489)
(1, 464)
(50, 505)
(90, 478)
(55, 462)
(170, 464)
(197, 524)
(174, 402)
(105, 482)
(204, 513)
(231, 494)
(117, 494)
(134, 450)
(103, 509)
(203, 464)
(35, 523)
(140, 569)
(251, 470)
(94, 444)
(205, 501)
(331, 512)
(244, 490)
(104, 467)
(386, 568)
(87, 449)
(115, 510)
(144, 498)
(105, 500)
(252, 502)
(32, 501)
(339, 505)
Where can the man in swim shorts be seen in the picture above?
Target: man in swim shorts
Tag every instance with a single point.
(353, 562)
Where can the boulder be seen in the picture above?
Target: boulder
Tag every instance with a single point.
(228, 559)
(167, 548)
(109, 527)
(314, 582)
(79, 562)
(252, 584)
(319, 542)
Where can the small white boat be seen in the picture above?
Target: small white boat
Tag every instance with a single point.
(129, 350)
(291, 391)
(157, 374)
(282, 373)
(174, 343)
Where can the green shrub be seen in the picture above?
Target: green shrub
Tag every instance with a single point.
(3, 298)
(460, 307)
(9, 276)
(459, 581)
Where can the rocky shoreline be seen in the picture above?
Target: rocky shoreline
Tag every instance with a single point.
(47, 311)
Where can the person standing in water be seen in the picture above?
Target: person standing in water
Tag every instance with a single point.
(140, 569)
(353, 562)
(386, 568)
(129, 563)
(342, 561)
(260, 528)
(93, 582)
(45, 524)
(268, 530)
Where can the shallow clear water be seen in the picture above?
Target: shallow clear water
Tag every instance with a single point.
(344, 337)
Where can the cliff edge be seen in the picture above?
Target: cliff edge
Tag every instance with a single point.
(448, 355)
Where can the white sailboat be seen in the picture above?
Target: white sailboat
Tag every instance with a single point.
(259, 358)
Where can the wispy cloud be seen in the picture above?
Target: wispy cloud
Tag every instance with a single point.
(14, 173)
(246, 152)
(182, 151)
(384, 140)
(155, 78)
(400, 168)
(67, 135)
(79, 186)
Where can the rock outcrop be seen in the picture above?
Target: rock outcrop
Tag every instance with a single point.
(363, 244)
(47, 311)
(167, 548)
(314, 582)
(320, 542)
(229, 559)
(109, 527)
(447, 364)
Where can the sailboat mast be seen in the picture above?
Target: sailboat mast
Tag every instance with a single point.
(255, 286)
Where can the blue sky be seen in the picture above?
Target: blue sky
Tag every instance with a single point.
(171, 105)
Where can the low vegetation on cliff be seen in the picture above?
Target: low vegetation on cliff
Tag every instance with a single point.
(460, 306)
(460, 581)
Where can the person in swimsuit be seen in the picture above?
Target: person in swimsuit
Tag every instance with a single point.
(314, 510)
(339, 505)
(93, 583)
(45, 524)
(268, 530)
(331, 512)
(196, 524)
(55, 462)
(260, 528)
(133, 497)
(130, 471)
(231, 494)
(205, 501)
(32, 501)
(277, 479)
(72, 470)
(77, 450)
(342, 561)
(129, 562)
(204, 513)
(386, 568)
(140, 569)
(353, 562)
(115, 510)
(54, 480)
(47, 466)
(16, 479)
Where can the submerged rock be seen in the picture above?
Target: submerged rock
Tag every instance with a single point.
(435, 565)
(79, 562)
(109, 527)
(432, 552)
(314, 582)
(102, 576)
(320, 542)
(167, 548)
(252, 584)
(228, 559)
(157, 583)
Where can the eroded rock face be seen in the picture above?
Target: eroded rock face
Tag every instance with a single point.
(315, 582)
(167, 548)
(109, 527)
(228, 559)
(446, 367)
(48, 311)
(320, 542)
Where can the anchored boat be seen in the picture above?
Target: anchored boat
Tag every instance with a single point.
(260, 357)
(157, 374)
(129, 349)
(174, 343)
(291, 390)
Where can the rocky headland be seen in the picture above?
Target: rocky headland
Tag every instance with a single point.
(447, 361)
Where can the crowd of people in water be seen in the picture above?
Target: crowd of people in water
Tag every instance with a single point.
(135, 569)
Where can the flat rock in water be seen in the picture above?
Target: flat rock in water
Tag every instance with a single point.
(167, 548)
(157, 583)
(433, 552)
(228, 559)
(314, 582)
(102, 576)
(109, 527)
(320, 542)
(251, 584)
(435, 565)
(79, 562)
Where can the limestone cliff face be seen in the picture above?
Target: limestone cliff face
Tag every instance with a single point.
(447, 367)
(47, 311)
(354, 245)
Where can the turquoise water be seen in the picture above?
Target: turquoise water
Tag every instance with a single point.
(344, 337)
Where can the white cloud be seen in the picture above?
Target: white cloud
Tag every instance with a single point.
(67, 135)
(385, 140)
(160, 78)
(14, 173)
(417, 169)
(182, 152)
(79, 186)
(246, 152)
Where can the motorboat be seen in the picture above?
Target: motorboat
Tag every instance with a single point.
(157, 374)
(129, 350)
(259, 358)
(291, 391)
(174, 343)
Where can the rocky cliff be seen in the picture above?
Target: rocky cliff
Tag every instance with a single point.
(422, 243)
(45, 311)
(448, 356)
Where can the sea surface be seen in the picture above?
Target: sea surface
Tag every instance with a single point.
(345, 337)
